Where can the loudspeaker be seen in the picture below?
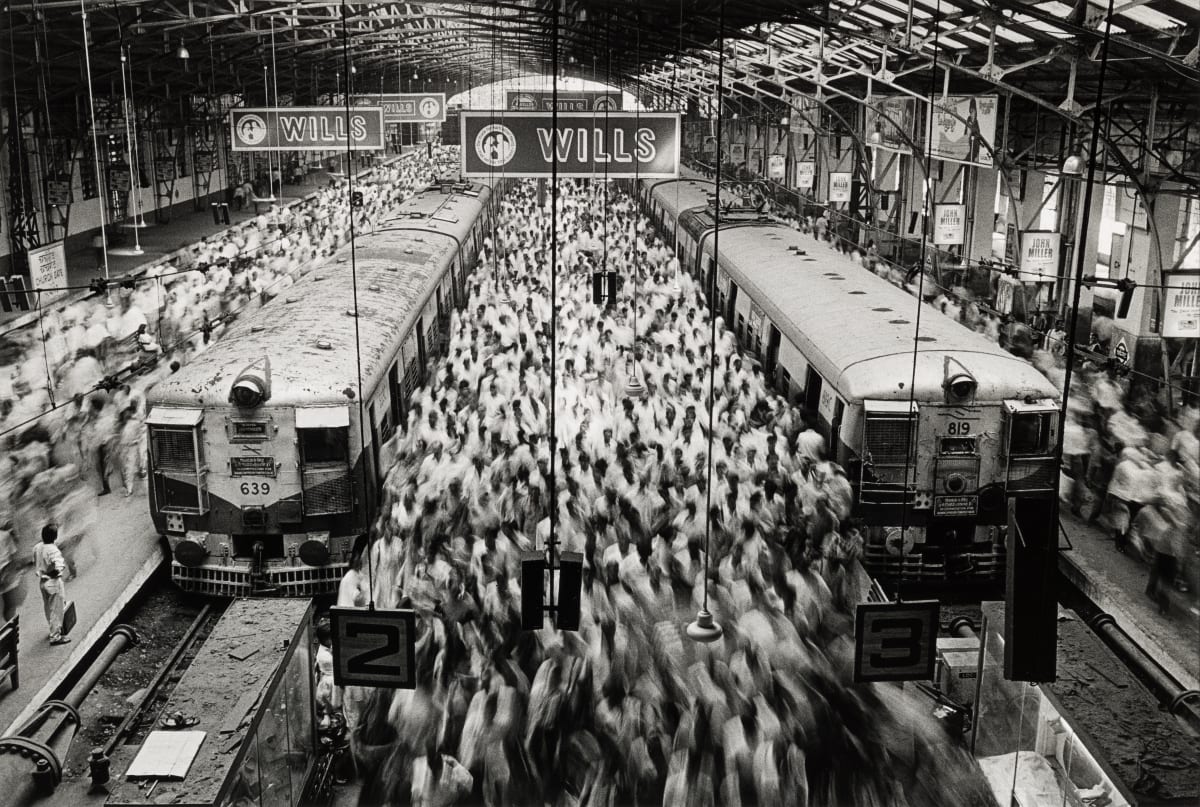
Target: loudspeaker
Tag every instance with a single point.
(570, 584)
(597, 288)
(1031, 594)
(533, 589)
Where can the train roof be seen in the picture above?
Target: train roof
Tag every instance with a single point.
(398, 267)
(857, 328)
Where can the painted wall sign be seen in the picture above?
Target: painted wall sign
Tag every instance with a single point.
(621, 145)
(313, 127)
(961, 125)
(839, 186)
(949, 223)
(406, 107)
(48, 269)
(580, 101)
(1181, 312)
(1039, 256)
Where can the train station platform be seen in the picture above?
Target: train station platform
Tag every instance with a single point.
(1116, 583)
(114, 558)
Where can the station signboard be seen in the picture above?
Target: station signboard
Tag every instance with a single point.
(374, 647)
(48, 270)
(581, 101)
(301, 128)
(895, 641)
(406, 107)
(620, 145)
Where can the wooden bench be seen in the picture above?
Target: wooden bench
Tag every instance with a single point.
(10, 636)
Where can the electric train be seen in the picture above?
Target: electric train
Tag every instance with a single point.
(264, 459)
(935, 435)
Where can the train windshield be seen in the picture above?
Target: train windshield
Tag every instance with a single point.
(323, 445)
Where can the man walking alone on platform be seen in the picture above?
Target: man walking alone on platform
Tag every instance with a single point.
(50, 565)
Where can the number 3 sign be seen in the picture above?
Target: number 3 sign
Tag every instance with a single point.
(373, 648)
(895, 641)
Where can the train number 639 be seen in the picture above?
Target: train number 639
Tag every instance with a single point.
(958, 428)
(255, 488)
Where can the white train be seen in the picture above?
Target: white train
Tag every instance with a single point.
(264, 460)
(936, 439)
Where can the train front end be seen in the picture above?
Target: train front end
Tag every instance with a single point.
(255, 497)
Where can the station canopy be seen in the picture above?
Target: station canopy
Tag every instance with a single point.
(1043, 57)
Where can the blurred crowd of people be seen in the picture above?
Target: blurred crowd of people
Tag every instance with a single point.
(72, 385)
(676, 493)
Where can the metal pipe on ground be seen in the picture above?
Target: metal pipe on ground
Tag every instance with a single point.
(1182, 703)
(32, 757)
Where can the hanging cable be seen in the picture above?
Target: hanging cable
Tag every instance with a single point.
(553, 302)
(705, 629)
(362, 426)
(87, 61)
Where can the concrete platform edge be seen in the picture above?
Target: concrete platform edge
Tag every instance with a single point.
(97, 632)
(1127, 621)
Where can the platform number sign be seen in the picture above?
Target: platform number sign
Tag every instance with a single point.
(895, 641)
(374, 648)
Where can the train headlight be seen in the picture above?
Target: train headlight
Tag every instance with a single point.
(955, 483)
(191, 551)
(252, 385)
(314, 552)
(961, 386)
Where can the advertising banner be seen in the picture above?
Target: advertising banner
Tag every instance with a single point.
(203, 162)
(48, 269)
(960, 126)
(839, 186)
(311, 127)
(806, 171)
(949, 221)
(119, 178)
(620, 145)
(737, 153)
(776, 166)
(898, 114)
(164, 168)
(755, 161)
(1181, 312)
(406, 107)
(580, 101)
(58, 191)
(1039, 256)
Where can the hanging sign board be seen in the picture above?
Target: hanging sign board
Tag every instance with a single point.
(58, 192)
(756, 160)
(776, 166)
(1039, 256)
(1181, 312)
(406, 107)
(949, 220)
(312, 127)
(619, 145)
(374, 648)
(542, 101)
(806, 172)
(202, 162)
(895, 641)
(119, 178)
(1006, 293)
(48, 269)
(737, 153)
(960, 125)
(839, 186)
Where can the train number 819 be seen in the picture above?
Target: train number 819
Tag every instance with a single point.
(959, 428)
(255, 488)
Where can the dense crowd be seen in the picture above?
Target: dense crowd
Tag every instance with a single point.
(626, 709)
(65, 438)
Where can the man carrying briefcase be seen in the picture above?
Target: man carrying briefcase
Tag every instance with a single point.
(50, 566)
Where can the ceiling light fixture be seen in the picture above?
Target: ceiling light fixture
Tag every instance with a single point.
(1073, 166)
(182, 54)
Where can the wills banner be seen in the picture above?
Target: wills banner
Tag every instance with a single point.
(582, 101)
(308, 127)
(406, 107)
(961, 125)
(621, 145)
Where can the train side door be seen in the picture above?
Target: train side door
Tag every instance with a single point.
(396, 395)
(731, 304)
(771, 359)
(421, 355)
(812, 392)
(374, 445)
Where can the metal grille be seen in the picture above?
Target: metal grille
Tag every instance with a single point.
(1031, 475)
(327, 490)
(174, 449)
(887, 440)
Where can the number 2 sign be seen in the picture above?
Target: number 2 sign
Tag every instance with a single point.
(374, 648)
(895, 641)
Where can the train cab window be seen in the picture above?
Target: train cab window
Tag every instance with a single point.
(1029, 434)
(323, 433)
(177, 460)
(323, 446)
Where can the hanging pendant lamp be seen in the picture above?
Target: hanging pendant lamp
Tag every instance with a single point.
(135, 182)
